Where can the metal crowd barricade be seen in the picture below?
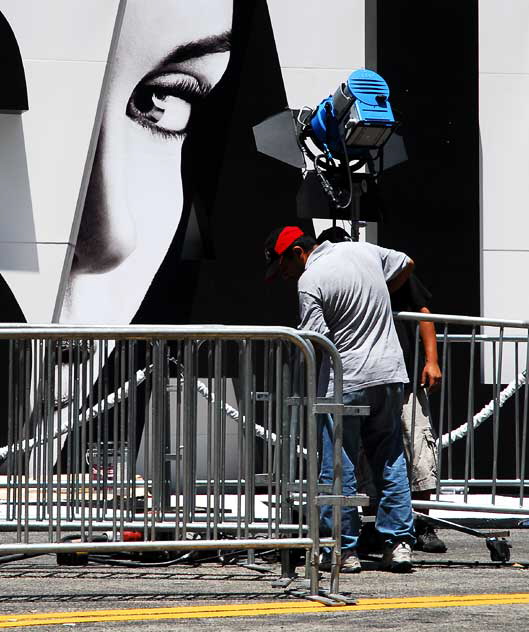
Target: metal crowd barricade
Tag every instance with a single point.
(480, 412)
(183, 436)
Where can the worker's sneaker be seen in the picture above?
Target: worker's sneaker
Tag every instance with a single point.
(349, 563)
(428, 540)
(397, 558)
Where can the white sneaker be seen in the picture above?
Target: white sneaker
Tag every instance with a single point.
(397, 558)
(350, 562)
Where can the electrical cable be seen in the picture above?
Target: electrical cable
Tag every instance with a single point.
(349, 176)
(15, 557)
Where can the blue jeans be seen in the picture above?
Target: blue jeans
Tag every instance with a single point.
(381, 434)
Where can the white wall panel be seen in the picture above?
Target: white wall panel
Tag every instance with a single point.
(505, 297)
(506, 273)
(16, 211)
(62, 29)
(316, 34)
(504, 129)
(504, 124)
(308, 86)
(504, 36)
(63, 100)
(35, 289)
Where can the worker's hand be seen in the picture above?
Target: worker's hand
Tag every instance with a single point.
(431, 376)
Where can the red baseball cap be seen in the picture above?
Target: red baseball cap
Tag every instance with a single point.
(277, 243)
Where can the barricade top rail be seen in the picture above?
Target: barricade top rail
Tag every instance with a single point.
(481, 338)
(12, 331)
(462, 320)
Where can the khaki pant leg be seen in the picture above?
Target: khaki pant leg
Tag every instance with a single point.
(423, 470)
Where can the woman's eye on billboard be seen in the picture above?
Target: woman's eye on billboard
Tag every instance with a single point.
(163, 104)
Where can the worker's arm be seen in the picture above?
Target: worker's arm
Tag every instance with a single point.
(398, 280)
(311, 313)
(431, 374)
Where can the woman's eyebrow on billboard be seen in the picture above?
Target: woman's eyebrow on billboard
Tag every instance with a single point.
(199, 48)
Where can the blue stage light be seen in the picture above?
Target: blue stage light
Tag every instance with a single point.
(357, 118)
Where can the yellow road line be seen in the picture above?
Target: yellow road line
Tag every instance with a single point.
(258, 609)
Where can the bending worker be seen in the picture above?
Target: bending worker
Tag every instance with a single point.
(417, 432)
(343, 294)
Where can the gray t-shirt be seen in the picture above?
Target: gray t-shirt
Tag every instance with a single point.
(343, 295)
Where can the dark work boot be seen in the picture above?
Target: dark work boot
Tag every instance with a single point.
(427, 539)
(370, 540)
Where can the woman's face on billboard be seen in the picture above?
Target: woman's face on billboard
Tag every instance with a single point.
(169, 55)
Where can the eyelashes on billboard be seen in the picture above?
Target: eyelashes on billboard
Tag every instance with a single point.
(162, 104)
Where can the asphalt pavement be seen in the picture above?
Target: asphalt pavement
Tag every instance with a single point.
(36, 586)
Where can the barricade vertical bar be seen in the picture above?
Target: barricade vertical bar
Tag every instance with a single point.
(338, 469)
(31, 458)
(209, 439)
(240, 440)
(249, 444)
(193, 432)
(298, 446)
(186, 461)
(178, 434)
(495, 419)
(47, 466)
(39, 423)
(157, 438)
(40, 434)
(113, 460)
(125, 440)
(449, 418)
(473, 403)
(164, 395)
(494, 389)
(20, 434)
(223, 433)
(133, 430)
(88, 460)
(414, 390)
(312, 463)
(159, 409)
(217, 442)
(25, 438)
(85, 389)
(75, 425)
(279, 395)
(517, 411)
(10, 427)
(284, 507)
(69, 413)
(58, 441)
(524, 423)
(265, 405)
(16, 456)
(101, 345)
(470, 409)
(294, 416)
(269, 411)
(19, 479)
(441, 414)
(13, 482)
(147, 447)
